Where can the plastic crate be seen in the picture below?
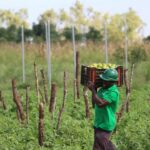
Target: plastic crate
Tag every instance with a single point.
(92, 74)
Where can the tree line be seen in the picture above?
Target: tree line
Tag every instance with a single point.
(13, 34)
(89, 24)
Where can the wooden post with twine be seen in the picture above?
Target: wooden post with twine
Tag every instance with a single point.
(129, 88)
(74, 91)
(17, 100)
(78, 74)
(27, 104)
(3, 101)
(41, 124)
(52, 99)
(36, 81)
(45, 85)
(63, 104)
(85, 95)
(125, 105)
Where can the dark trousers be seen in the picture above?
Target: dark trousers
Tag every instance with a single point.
(101, 140)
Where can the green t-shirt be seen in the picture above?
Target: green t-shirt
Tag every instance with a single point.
(105, 117)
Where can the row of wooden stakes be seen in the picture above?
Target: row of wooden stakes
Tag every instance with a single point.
(23, 116)
(43, 99)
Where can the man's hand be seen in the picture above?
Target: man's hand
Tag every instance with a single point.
(90, 85)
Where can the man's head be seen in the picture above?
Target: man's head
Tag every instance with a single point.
(109, 77)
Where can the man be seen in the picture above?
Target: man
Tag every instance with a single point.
(105, 104)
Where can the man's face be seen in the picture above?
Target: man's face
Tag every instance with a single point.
(106, 83)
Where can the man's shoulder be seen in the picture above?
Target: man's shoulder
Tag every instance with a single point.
(114, 89)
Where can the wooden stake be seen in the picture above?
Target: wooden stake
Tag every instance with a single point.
(74, 90)
(63, 104)
(27, 104)
(129, 88)
(36, 81)
(125, 105)
(17, 100)
(42, 97)
(78, 73)
(2, 100)
(41, 124)
(18, 115)
(53, 98)
(85, 94)
(45, 86)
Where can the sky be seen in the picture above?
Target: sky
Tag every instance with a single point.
(37, 7)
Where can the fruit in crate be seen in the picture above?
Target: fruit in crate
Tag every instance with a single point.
(102, 65)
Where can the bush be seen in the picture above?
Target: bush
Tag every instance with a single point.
(119, 55)
(137, 54)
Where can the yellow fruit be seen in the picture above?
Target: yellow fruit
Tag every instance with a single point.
(102, 65)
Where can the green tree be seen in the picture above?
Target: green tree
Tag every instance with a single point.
(147, 38)
(12, 33)
(67, 33)
(49, 15)
(115, 28)
(94, 35)
(95, 20)
(64, 18)
(137, 54)
(134, 23)
(77, 15)
(39, 32)
(3, 34)
(9, 18)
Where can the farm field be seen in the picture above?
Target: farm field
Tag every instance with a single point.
(76, 131)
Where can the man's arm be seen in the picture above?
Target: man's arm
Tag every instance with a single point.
(95, 99)
(99, 101)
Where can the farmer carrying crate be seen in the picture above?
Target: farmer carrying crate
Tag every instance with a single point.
(105, 101)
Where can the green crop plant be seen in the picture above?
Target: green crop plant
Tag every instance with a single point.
(76, 132)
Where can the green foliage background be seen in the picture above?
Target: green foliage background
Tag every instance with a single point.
(133, 131)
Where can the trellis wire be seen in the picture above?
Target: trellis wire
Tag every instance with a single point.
(74, 50)
(106, 42)
(22, 46)
(126, 42)
(48, 45)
